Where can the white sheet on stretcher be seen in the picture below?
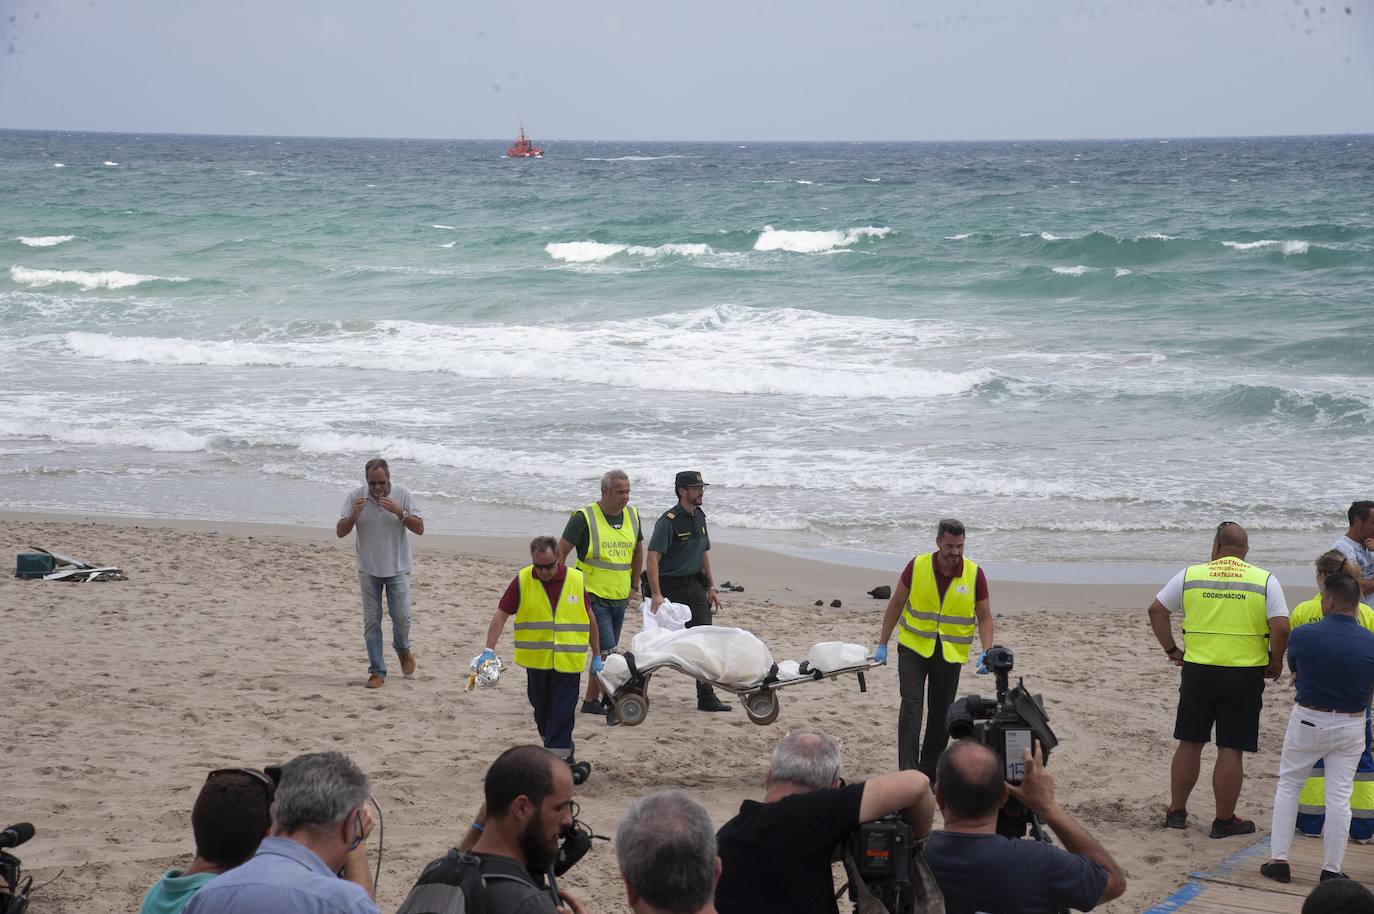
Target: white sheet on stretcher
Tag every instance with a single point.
(724, 656)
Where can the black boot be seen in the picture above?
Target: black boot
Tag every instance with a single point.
(707, 700)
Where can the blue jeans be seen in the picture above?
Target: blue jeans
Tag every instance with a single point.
(610, 619)
(397, 590)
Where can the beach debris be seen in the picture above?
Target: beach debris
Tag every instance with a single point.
(835, 604)
(882, 592)
(820, 602)
(54, 566)
(733, 588)
(483, 673)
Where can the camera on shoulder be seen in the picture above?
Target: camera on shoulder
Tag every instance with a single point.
(881, 860)
(1008, 725)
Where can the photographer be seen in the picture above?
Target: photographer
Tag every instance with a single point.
(776, 855)
(320, 822)
(980, 870)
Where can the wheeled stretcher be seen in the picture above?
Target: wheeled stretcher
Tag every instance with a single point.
(730, 659)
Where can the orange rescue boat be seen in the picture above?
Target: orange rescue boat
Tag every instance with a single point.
(522, 148)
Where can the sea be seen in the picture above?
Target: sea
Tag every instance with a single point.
(1089, 351)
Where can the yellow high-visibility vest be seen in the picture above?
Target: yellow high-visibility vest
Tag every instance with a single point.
(1224, 614)
(610, 552)
(927, 616)
(547, 638)
(1311, 611)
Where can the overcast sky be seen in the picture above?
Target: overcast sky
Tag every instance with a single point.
(700, 70)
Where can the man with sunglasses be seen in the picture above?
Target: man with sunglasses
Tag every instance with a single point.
(383, 514)
(233, 813)
(1235, 631)
(316, 860)
(553, 638)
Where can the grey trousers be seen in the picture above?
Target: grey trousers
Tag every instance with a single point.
(916, 675)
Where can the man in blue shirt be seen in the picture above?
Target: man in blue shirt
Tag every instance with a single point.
(1334, 662)
(320, 822)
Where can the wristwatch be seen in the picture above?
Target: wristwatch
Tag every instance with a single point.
(404, 515)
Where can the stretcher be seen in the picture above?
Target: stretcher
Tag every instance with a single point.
(729, 659)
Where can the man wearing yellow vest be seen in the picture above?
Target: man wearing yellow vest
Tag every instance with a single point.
(553, 637)
(1235, 630)
(940, 598)
(610, 555)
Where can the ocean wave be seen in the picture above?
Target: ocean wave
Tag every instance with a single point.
(959, 237)
(799, 181)
(168, 440)
(597, 251)
(43, 241)
(441, 226)
(815, 242)
(1071, 271)
(88, 281)
(741, 351)
(637, 158)
(110, 164)
(1122, 271)
(1288, 247)
(1322, 408)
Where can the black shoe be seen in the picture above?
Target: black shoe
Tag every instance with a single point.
(1229, 828)
(1277, 870)
(1327, 874)
(611, 719)
(592, 707)
(712, 703)
(1176, 818)
(580, 771)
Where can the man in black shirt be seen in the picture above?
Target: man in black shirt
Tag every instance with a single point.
(776, 855)
(979, 870)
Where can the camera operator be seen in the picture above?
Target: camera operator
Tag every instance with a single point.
(320, 822)
(980, 870)
(776, 855)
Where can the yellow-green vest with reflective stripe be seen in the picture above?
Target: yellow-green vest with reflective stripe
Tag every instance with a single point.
(549, 639)
(1312, 800)
(1224, 614)
(1311, 611)
(610, 552)
(926, 615)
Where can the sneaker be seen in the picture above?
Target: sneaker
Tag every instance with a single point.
(1276, 870)
(1327, 874)
(592, 707)
(1176, 818)
(1229, 828)
(375, 681)
(407, 663)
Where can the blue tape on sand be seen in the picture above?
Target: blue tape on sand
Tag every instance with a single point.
(1178, 899)
(1194, 887)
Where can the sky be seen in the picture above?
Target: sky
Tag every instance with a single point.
(701, 70)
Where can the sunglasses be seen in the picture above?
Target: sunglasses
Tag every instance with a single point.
(268, 785)
(549, 567)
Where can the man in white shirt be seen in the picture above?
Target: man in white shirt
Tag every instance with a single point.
(1354, 545)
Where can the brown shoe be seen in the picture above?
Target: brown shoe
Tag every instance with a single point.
(407, 663)
(375, 681)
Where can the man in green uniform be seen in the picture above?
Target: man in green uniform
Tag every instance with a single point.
(610, 555)
(679, 565)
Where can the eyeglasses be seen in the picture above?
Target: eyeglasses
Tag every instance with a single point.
(267, 783)
(549, 567)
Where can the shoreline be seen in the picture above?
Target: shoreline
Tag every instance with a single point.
(774, 575)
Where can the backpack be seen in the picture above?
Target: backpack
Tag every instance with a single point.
(453, 884)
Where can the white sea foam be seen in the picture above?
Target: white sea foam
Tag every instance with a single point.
(1048, 237)
(107, 279)
(110, 164)
(639, 158)
(743, 351)
(1122, 271)
(440, 226)
(58, 165)
(1071, 271)
(597, 251)
(1288, 247)
(959, 237)
(800, 181)
(1156, 236)
(44, 241)
(448, 245)
(873, 180)
(122, 435)
(815, 242)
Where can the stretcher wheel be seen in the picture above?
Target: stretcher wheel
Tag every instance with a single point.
(762, 707)
(631, 708)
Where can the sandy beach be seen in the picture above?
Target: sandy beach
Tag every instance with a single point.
(241, 645)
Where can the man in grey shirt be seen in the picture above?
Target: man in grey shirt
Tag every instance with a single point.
(1355, 544)
(382, 514)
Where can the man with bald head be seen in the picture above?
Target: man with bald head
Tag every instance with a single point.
(1235, 631)
(979, 870)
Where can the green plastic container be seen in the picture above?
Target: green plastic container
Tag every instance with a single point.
(32, 565)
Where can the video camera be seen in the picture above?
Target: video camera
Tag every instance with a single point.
(1014, 722)
(15, 887)
(880, 858)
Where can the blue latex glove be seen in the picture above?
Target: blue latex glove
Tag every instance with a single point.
(880, 655)
(597, 665)
(982, 668)
(486, 655)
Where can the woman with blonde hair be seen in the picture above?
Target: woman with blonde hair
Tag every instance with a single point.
(1312, 801)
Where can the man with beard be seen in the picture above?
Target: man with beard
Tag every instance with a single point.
(528, 804)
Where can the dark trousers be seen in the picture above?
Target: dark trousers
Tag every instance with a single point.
(916, 674)
(692, 593)
(553, 696)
